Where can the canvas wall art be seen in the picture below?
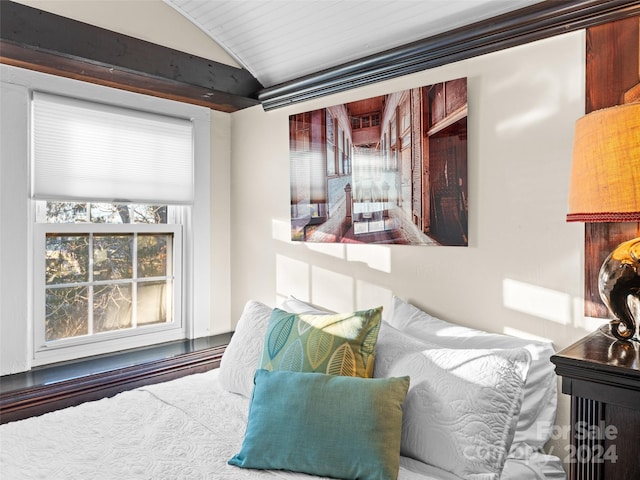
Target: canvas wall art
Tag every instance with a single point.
(390, 169)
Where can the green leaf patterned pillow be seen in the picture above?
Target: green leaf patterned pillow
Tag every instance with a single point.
(336, 344)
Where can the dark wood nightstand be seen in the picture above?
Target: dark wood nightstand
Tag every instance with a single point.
(602, 375)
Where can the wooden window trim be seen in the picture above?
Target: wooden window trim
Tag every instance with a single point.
(54, 387)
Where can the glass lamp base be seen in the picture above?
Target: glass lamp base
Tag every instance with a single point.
(619, 286)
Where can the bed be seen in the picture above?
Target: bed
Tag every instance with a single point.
(190, 428)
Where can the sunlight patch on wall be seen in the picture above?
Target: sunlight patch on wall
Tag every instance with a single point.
(541, 107)
(526, 119)
(376, 256)
(550, 82)
(292, 277)
(537, 301)
(332, 290)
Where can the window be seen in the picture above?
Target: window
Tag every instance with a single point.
(365, 121)
(110, 188)
(188, 218)
(300, 134)
(107, 270)
(331, 145)
(347, 157)
(341, 152)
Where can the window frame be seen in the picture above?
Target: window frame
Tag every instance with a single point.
(330, 142)
(51, 349)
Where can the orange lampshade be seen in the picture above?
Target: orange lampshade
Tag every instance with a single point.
(605, 175)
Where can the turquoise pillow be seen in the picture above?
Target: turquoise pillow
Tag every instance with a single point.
(336, 344)
(326, 425)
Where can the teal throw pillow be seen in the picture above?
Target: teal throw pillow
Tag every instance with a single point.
(326, 425)
(336, 344)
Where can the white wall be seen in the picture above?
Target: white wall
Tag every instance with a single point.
(523, 270)
(220, 231)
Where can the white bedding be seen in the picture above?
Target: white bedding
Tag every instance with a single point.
(183, 429)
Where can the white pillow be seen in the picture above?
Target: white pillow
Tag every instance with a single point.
(392, 345)
(242, 356)
(538, 411)
(462, 407)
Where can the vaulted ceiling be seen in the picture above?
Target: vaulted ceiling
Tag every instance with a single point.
(280, 40)
(290, 51)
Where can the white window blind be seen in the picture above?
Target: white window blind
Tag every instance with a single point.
(94, 152)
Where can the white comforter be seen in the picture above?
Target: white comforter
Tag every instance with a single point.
(183, 429)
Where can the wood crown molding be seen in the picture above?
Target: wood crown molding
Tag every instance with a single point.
(38, 40)
(538, 21)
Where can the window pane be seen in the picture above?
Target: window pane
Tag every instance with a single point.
(330, 131)
(152, 255)
(112, 258)
(331, 160)
(154, 302)
(109, 213)
(67, 258)
(112, 307)
(149, 213)
(66, 313)
(67, 212)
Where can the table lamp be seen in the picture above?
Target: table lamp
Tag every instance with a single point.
(605, 187)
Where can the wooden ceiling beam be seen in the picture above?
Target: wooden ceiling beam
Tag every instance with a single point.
(38, 40)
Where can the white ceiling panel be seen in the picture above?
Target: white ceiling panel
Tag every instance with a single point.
(280, 40)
